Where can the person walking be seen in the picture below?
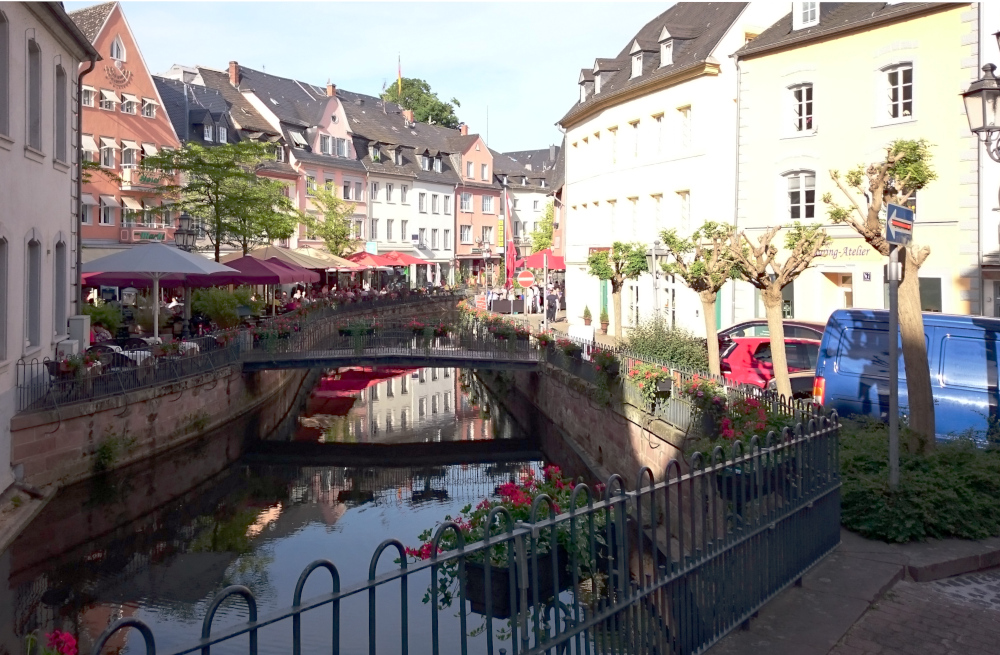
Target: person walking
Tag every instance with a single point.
(551, 303)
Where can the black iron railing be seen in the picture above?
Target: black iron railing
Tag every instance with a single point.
(668, 567)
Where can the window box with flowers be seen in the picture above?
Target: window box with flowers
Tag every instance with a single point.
(570, 348)
(652, 381)
(544, 340)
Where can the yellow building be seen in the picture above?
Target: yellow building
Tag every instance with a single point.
(829, 87)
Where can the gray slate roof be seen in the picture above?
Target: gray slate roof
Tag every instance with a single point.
(243, 113)
(201, 102)
(697, 28)
(514, 166)
(835, 17)
(90, 19)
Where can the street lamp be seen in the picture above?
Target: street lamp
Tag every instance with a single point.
(981, 102)
(185, 238)
(653, 257)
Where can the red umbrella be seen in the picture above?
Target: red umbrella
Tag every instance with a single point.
(368, 259)
(251, 271)
(537, 261)
(403, 259)
(305, 275)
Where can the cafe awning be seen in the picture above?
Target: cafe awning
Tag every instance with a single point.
(109, 201)
(132, 203)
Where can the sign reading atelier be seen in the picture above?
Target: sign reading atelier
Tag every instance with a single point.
(899, 225)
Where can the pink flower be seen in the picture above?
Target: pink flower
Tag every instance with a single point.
(63, 642)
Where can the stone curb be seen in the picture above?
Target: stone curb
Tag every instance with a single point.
(13, 524)
(969, 564)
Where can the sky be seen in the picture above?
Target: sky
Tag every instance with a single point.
(515, 63)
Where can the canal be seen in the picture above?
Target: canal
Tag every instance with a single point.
(156, 541)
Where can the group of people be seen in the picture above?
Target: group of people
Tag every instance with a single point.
(535, 300)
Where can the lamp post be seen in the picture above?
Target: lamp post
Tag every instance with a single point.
(184, 238)
(653, 257)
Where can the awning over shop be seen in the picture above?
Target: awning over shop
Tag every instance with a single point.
(109, 201)
(132, 203)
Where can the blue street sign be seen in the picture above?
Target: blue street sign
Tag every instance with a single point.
(899, 225)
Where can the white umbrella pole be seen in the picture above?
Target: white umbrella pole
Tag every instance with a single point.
(156, 306)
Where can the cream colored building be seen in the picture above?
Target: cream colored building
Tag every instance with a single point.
(651, 144)
(829, 86)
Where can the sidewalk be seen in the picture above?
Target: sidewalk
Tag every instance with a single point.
(561, 325)
(871, 597)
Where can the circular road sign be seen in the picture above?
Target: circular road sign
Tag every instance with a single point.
(526, 278)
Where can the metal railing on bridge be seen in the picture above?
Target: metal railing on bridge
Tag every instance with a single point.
(666, 568)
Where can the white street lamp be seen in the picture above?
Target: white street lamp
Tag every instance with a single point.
(653, 258)
(981, 101)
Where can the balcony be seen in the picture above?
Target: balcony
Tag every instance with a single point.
(146, 233)
(136, 179)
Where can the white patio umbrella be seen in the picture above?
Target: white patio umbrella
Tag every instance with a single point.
(155, 261)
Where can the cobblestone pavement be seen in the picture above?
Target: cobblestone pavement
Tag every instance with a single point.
(955, 616)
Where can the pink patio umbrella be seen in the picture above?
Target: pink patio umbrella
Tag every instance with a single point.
(305, 275)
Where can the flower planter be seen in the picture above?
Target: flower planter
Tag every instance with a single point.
(586, 321)
(604, 327)
(503, 608)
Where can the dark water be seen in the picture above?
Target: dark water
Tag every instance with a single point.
(157, 541)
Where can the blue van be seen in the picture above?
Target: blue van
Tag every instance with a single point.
(852, 372)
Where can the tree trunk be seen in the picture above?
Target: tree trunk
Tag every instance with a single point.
(772, 307)
(920, 399)
(711, 333)
(216, 251)
(616, 301)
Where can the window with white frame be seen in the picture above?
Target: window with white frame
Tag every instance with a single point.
(374, 153)
(469, 170)
(801, 194)
(485, 170)
(34, 92)
(325, 145)
(434, 204)
(514, 204)
(358, 191)
(658, 126)
(310, 185)
(279, 153)
(465, 233)
(685, 116)
(86, 99)
(804, 14)
(536, 205)
(148, 108)
(85, 213)
(33, 295)
(447, 240)
(466, 202)
(684, 209)
(388, 192)
(597, 83)
(637, 64)
(60, 288)
(447, 205)
(404, 231)
(434, 239)
(425, 163)
(802, 107)
(437, 164)
(899, 91)
(357, 229)
(223, 134)
(343, 149)
(487, 234)
(129, 106)
(374, 191)
(402, 193)
(373, 235)
(667, 53)
(348, 187)
(487, 204)
(117, 50)
(62, 115)
(207, 132)
(388, 229)
(107, 214)
(397, 157)
(108, 147)
(422, 237)
(635, 138)
(422, 203)
(108, 100)
(130, 157)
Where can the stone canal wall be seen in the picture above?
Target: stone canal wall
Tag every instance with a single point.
(581, 433)
(76, 441)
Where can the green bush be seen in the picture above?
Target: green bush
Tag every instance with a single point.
(952, 492)
(104, 313)
(219, 305)
(655, 339)
(244, 295)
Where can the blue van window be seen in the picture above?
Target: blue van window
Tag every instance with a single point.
(965, 362)
(865, 351)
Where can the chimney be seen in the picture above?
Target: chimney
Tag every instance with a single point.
(408, 115)
(463, 129)
(331, 89)
(234, 73)
(552, 153)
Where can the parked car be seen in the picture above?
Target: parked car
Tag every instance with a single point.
(758, 328)
(802, 384)
(852, 374)
(747, 360)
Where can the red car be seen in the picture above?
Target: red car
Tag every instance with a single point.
(747, 360)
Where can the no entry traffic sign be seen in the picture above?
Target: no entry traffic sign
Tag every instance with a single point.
(526, 278)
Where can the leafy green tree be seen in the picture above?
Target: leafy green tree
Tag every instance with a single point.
(426, 106)
(905, 169)
(624, 261)
(269, 216)
(220, 186)
(757, 264)
(704, 263)
(541, 236)
(335, 225)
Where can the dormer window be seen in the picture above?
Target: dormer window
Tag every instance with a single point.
(804, 14)
(374, 153)
(437, 164)
(298, 140)
(667, 53)
(637, 64)
(223, 134)
(117, 49)
(207, 133)
(597, 83)
(543, 184)
(279, 154)
(398, 157)
(425, 162)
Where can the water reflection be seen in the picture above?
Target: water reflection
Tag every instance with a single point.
(159, 551)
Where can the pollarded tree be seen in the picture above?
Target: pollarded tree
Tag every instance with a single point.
(624, 261)
(758, 265)
(904, 170)
(704, 263)
(334, 228)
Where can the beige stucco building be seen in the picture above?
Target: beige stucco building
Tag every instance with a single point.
(829, 86)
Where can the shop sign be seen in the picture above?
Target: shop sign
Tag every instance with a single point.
(149, 236)
(591, 251)
(847, 252)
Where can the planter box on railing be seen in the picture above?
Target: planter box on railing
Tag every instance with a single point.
(500, 587)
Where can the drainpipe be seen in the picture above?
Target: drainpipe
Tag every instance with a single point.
(78, 301)
(736, 186)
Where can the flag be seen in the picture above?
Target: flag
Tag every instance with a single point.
(509, 252)
(399, 79)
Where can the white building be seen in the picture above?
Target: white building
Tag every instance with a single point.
(527, 175)
(651, 144)
(40, 54)
(989, 171)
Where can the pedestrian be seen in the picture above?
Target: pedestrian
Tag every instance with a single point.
(551, 303)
